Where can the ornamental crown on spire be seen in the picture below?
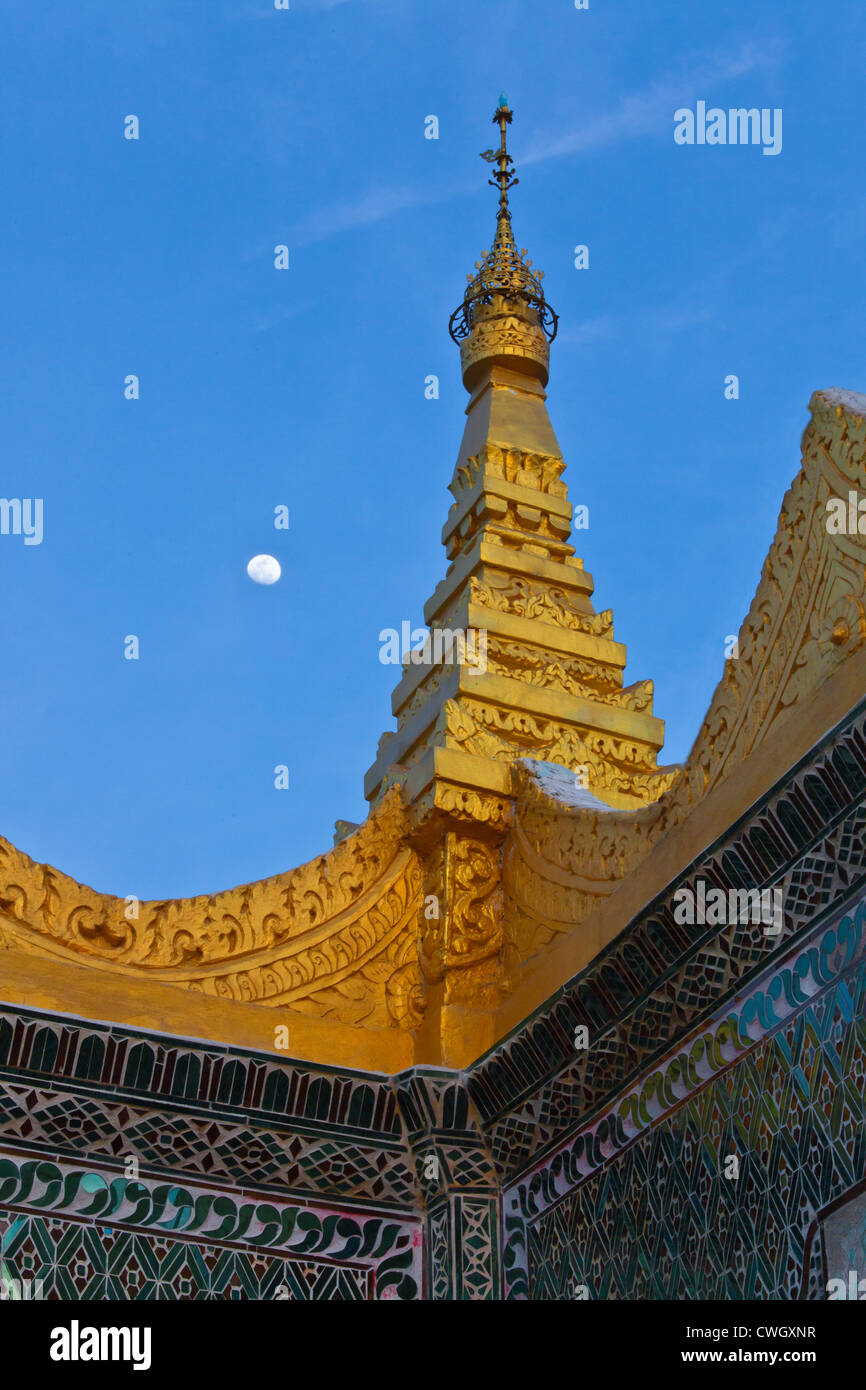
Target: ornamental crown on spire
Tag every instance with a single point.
(504, 277)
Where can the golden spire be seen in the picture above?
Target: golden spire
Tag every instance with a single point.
(504, 316)
(549, 685)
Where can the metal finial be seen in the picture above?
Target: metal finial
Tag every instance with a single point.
(503, 271)
(504, 177)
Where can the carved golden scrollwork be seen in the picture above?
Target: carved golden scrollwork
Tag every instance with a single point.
(473, 927)
(528, 599)
(541, 472)
(335, 937)
(807, 616)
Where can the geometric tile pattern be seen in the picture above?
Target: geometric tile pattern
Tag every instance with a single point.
(463, 1248)
(52, 1120)
(477, 1220)
(83, 1261)
(188, 1241)
(203, 1076)
(662, 1221)
(442, 1124)
(439, 1252)
(736, 1044)
(458, 1182)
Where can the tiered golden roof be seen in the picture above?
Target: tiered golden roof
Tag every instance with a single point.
(553, 687)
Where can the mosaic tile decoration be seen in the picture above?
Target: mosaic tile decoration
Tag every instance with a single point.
(838, 1247)
(570, 1138)
(659, 1219)
(170, 1071)
(76, 1260)
(187, 1144)
(385, 1252)
(190, 1110)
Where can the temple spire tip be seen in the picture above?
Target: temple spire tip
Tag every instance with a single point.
(504, 285)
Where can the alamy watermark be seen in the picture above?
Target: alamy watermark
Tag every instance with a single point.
(434, 648)
(77, 1343)
(737, 126)
(705, 905)
(19, 1290)
(846, 518)
(853, 1288)
(22, 516)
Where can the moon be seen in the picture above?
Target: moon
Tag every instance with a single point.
(264, 569)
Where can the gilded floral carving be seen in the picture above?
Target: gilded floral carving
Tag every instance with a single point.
(325, 938)
(532, 599)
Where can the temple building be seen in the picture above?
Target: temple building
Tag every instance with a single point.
(557, 1021)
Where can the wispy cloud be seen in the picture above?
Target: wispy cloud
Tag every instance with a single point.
(642, 113)
(638, 114)
(657, 323)
(263, 323)
(590, 331)
(373, 206)
(673, 320)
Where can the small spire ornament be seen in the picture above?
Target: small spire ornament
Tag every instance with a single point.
(503, 271)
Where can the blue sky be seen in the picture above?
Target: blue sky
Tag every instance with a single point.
(306, 387)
